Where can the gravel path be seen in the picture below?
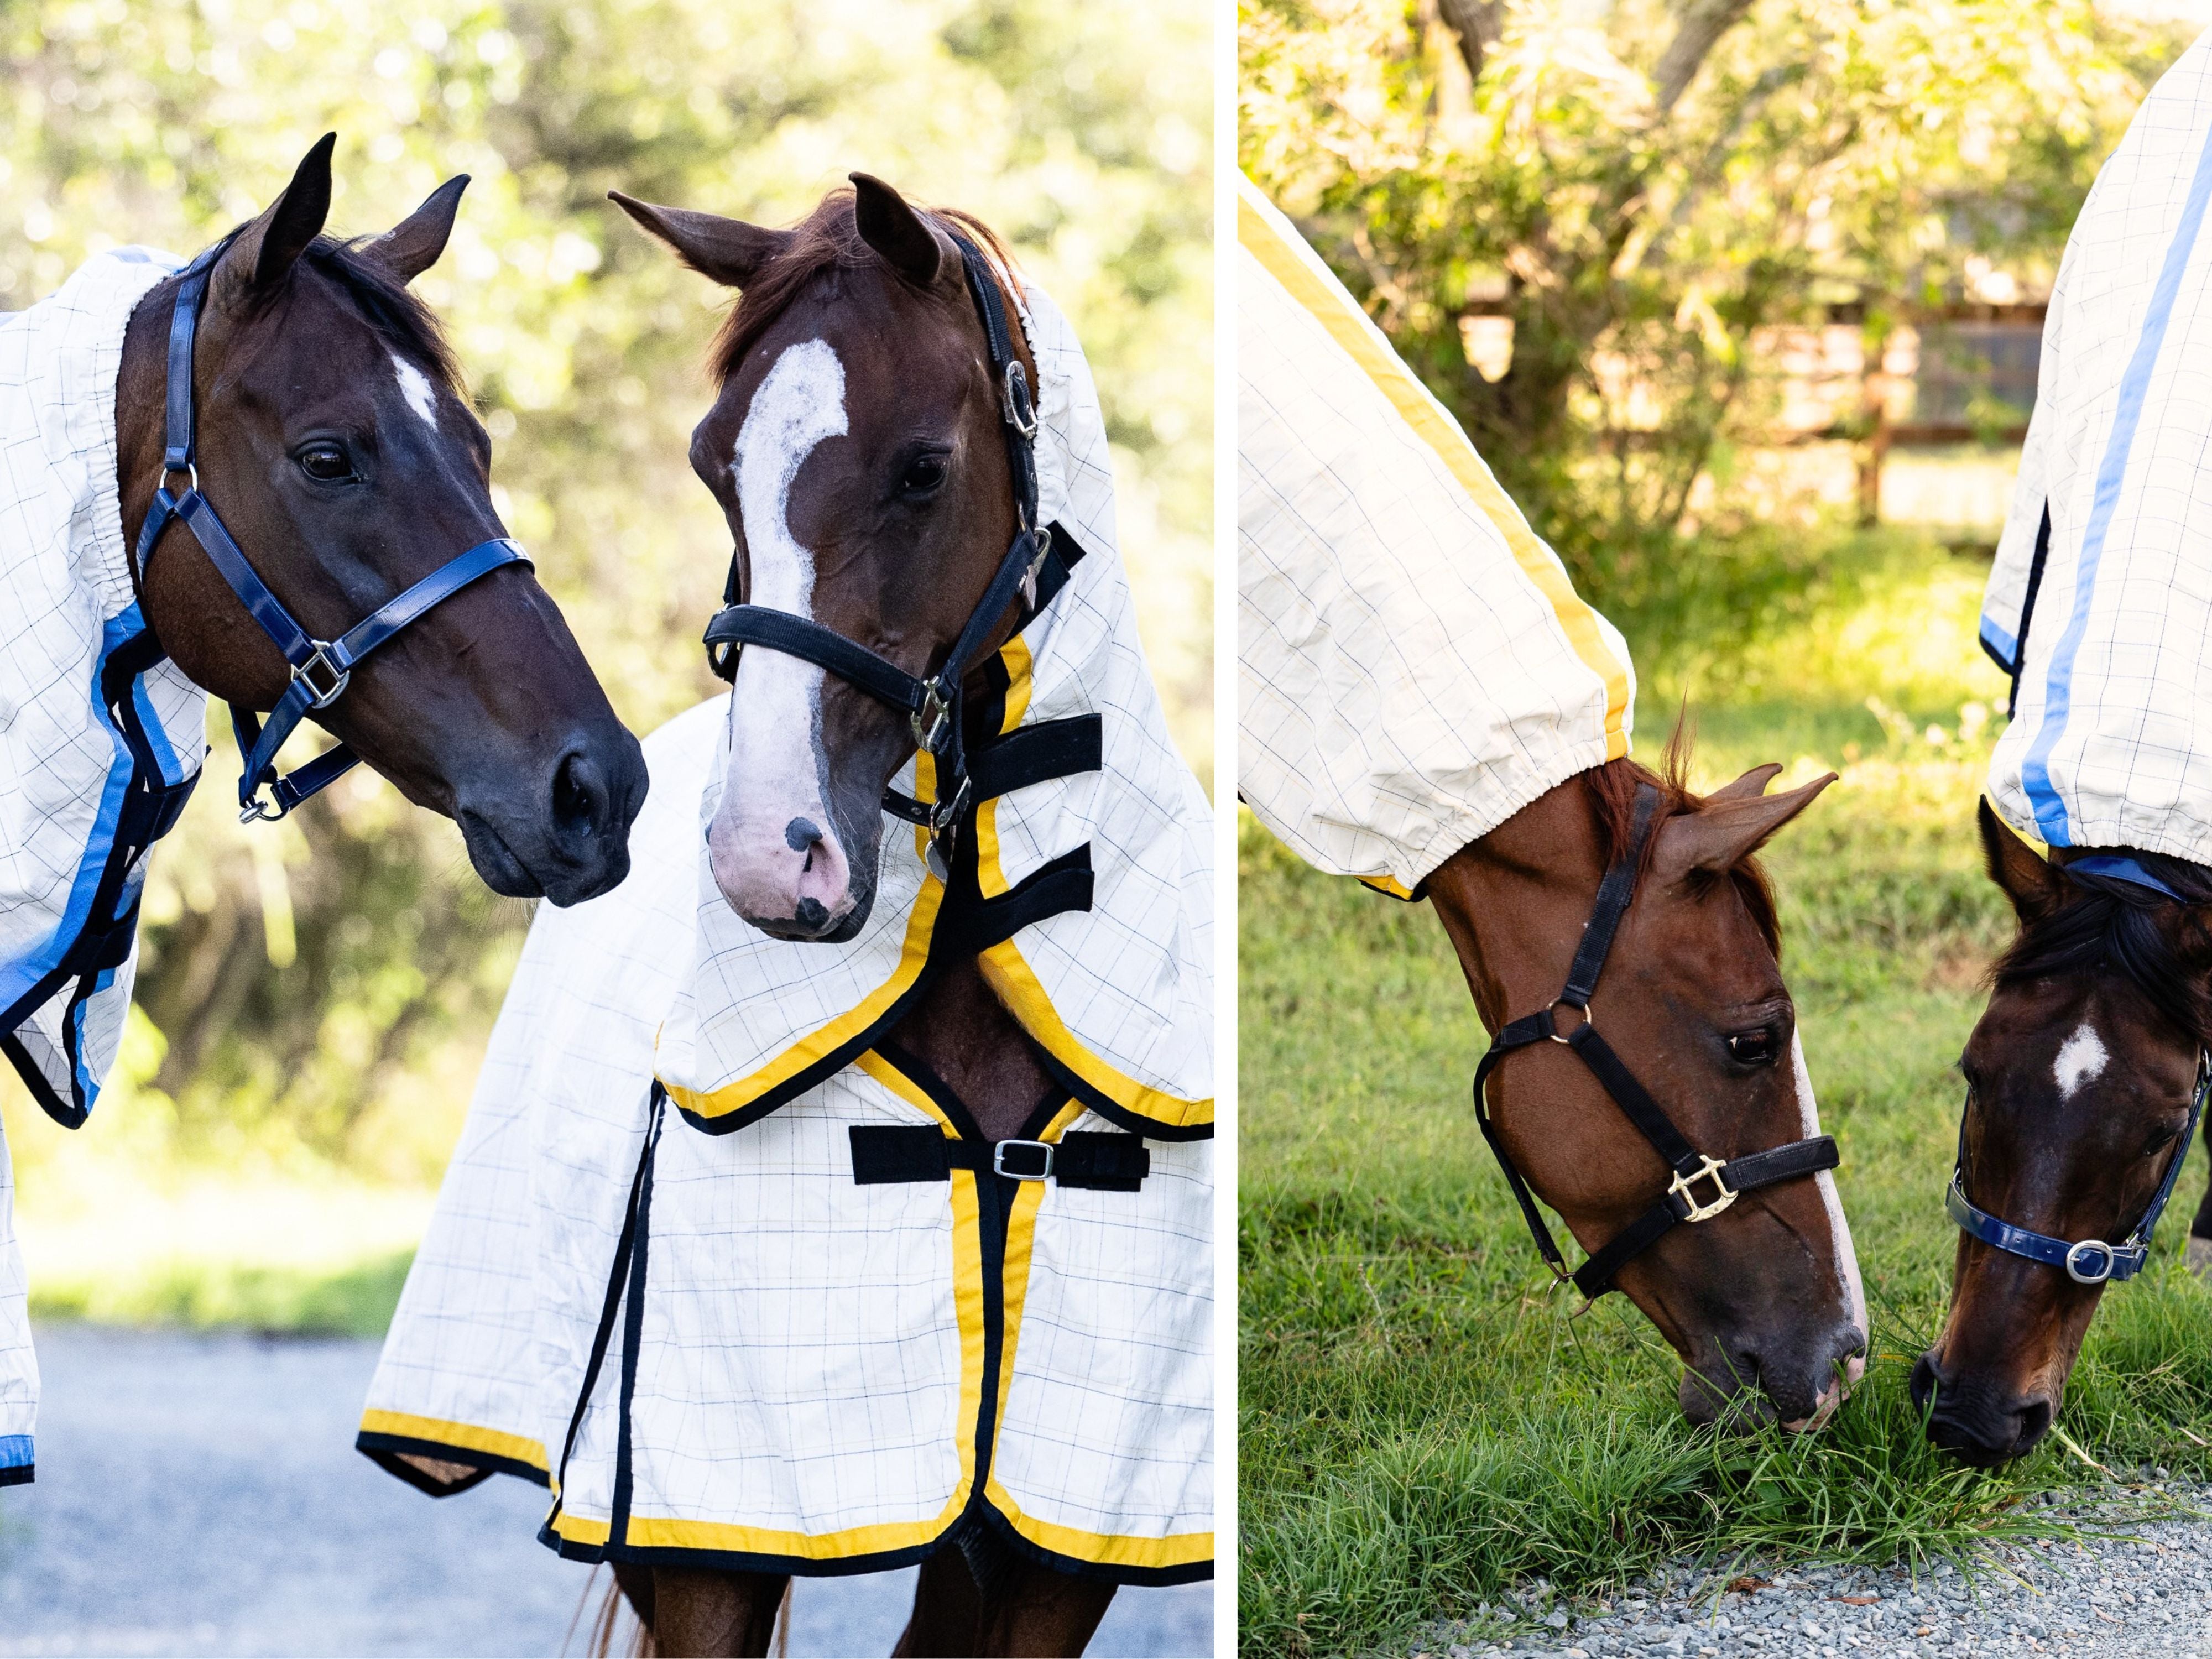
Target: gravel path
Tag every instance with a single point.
(2101, 1599)
(201, 1495)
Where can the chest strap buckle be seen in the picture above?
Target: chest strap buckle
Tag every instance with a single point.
(1031, 1160)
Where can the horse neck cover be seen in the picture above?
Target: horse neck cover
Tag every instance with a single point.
(1413, 666)
(2099, 605)
(815, 1378)
(100, 737)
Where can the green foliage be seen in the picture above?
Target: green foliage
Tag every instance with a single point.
(320, 990)
(1647, 200)
(1421, 1424)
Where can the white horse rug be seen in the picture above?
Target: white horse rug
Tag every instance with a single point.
(1414, 666)
(100, 736)
(2100, 602)
(709, 1258)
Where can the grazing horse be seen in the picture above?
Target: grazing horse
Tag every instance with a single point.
(2085, 1075)
(895, 1239)
(1427, 705)
(256, 476)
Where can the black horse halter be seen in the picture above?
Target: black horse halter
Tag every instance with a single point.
(2088, 1260)
(1681, 1201)
(320, 668)
(931, 705)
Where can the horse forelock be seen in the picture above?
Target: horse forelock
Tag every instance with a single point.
(2110, 926)
(826, 242)
(1611, 789)
(391, 309)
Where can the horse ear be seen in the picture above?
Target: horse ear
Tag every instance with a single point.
(729, 251)
(908, 243)
(412, 247)
(266, 249)
(2033, 885)
(1728, 829)
(1752, 785)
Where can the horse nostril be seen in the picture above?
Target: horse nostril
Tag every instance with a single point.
(2034, 1423)
(1925, 1382)
(802, 835)
(578, 795)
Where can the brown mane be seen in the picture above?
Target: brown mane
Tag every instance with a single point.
(1611, 788)
(828, 241)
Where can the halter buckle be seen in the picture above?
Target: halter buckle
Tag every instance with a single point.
(933, 721)
(1681, 1183)
(1042, 1169)
(334, 677)
(2111, 1260)
(258, 810)
(1014, 400)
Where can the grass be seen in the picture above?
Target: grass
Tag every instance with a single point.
(1421, 1424)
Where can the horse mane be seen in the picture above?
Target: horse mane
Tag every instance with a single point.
(828, 240)
(2111, 925)
(1611, 789)
(385, 303)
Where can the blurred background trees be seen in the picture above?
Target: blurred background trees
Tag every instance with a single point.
(1603, 230)
(315, 994)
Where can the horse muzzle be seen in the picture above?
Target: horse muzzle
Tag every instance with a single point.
(1979, 1420)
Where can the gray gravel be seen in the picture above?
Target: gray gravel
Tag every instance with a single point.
(2149, 1592)
(201, 1495)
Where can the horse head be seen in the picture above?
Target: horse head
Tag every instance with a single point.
(333, 435)
(856, 447)
(1761, 1297)
(2081, 1079)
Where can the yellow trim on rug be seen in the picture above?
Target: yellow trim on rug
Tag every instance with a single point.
(1284, 256)
(461, 1436)
(1389, 886)
(735, 1097)
(1020, 665)
(1019, 987)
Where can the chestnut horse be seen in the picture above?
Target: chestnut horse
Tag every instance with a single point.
(2082, 1085)
(334, 437)
(1760, 1296)
(920, 502)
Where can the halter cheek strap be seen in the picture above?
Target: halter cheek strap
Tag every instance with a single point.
(932, 704)
(320, 668)
(1703, 1185)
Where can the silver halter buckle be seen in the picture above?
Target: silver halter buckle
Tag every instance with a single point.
(1712, 1170)
(933, 721)
(1014, 400)
(336, 678)
(2111, 1261)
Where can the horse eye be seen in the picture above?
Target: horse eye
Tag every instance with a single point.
(1751, 1047)
(924, 476)
(325, 462)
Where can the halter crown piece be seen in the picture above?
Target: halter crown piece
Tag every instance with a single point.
(1703, 1185)
(320, 668)
(2086, 1261)
(932, 705)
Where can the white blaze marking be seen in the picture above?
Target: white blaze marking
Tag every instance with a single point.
(1847, 1257)
(776, 700)
(415, 386)
(2081, 1059)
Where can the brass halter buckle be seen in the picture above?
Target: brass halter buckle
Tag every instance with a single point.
(1682, 1184)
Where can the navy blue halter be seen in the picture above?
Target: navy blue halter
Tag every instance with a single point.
(931, 705)
(2088, 1260)
(320, 668)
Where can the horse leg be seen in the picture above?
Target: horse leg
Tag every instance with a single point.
(2200, 1230)
(1029, 1610)
(694, 1614)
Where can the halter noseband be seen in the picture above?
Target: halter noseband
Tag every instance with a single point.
(320, 668)
(2088, 1261)
(1703, 1185)
(931, 705)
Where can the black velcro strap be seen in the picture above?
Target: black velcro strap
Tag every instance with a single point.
(1036, 754)
(1633, 1099)
(1799, 1158)
(808, 641)
(895, 1154)
(1595, 1277)
(1747, 1174)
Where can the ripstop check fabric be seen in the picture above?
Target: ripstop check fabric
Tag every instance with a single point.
(2100, 601)
(1413, 665)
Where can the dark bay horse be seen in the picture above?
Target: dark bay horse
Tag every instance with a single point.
(334, 440)
(1761, 1297)
(2081, 1087)
(919, 504)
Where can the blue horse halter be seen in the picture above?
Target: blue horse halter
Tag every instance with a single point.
(2088, 1261)
(320, 668)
